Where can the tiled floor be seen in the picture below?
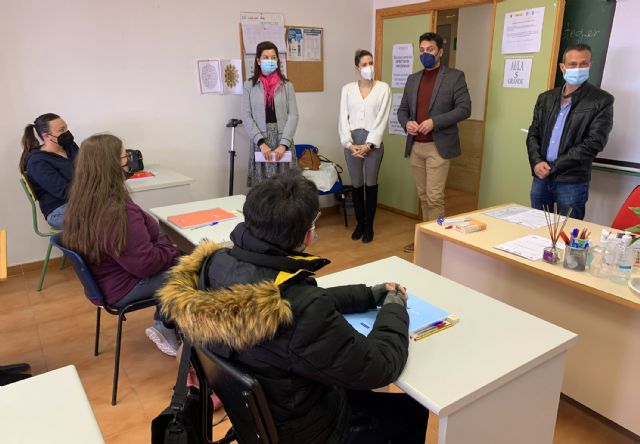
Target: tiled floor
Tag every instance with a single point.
(55, 327)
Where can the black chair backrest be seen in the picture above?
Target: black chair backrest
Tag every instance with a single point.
(243, 398)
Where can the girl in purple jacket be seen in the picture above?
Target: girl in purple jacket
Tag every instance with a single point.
(121, 243)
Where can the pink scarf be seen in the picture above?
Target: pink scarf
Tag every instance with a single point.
(270, 83)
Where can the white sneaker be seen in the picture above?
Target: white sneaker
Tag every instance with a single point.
(164, 338)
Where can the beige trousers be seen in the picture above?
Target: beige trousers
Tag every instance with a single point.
(430, 172)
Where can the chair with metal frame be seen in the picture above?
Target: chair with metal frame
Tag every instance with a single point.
(31, 197)
(339, 190)
(94, 294)
(242, 395)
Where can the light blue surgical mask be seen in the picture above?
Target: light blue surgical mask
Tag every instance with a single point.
(576, 76)
(268, 66)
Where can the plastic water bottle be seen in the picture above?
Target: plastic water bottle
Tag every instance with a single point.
(623, 260)
(596, 258)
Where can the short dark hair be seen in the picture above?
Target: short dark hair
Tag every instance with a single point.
(360, 53)
(432, 37)
(280, 210)
(576, 47)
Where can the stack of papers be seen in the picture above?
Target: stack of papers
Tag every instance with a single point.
(528, 247)
(520, 215)
(421, 315)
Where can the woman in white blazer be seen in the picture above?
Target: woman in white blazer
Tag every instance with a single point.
(364, 111)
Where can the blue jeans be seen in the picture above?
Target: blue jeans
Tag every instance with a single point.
(56, 217)
(144, 289)
(567, 195)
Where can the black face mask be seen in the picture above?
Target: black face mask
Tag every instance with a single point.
(65, 140)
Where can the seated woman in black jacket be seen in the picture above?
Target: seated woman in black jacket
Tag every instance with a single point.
(49, 166)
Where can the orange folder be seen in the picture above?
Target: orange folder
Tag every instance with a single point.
(202, 218)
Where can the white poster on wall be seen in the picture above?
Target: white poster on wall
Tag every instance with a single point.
(394, 125)
(231, 76)
(517, 73)
(402, 64)
(209, 75)
(522, 31)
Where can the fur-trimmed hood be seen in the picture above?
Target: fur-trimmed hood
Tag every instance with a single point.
(239, 316)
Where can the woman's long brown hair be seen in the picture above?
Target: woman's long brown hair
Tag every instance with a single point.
(95, 219)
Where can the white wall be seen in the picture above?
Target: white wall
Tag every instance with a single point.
(472, 55)
(129, 67)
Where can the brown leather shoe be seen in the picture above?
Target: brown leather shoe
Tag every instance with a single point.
(408, 248)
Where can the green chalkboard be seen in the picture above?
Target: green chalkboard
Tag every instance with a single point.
(587, 21)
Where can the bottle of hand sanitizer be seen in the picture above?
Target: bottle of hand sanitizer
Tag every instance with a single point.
(624, 261)
(596, 257)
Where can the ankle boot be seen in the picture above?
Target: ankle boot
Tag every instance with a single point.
(357, 195)
(371, 202)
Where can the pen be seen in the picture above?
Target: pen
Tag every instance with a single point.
(430, 332)
(212, 224)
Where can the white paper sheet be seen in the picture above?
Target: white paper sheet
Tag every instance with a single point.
(517, 73)
(520, 215)
(209, 75)
(394, 124)
(286, 157)
(528, 247)
(231, 76)
(261, 18)
(254, 34)
(522, 31)
(312, 45)
(402, 66)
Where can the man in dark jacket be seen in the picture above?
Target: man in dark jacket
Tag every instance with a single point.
(571, 125)
(258, 304)
(435, 99)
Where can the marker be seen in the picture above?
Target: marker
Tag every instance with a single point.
(212, 224)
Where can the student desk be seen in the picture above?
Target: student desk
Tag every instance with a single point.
(494, 377)
(167, 187)
(51, 407)
(603, 369)
(186, 239)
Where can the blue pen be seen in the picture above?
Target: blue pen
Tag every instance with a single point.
(213, 223)
(574, 236)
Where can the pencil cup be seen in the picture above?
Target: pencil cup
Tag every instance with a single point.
(575, 258)
(552, 255)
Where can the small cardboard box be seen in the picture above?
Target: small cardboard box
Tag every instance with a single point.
(470, 226)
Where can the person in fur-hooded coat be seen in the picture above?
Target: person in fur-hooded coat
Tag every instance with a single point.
(258, 304)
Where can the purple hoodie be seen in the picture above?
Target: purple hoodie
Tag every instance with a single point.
(146, 253)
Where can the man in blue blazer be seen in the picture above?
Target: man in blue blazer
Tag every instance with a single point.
(435, 99)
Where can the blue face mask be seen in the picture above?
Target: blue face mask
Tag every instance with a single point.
(428, 60)
(268, 66)
(576, 76)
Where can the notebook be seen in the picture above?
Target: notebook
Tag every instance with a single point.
(201, 218)
(141, 175)
(421, 315)
(286, 157)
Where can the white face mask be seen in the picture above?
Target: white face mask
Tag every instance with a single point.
(367, 72)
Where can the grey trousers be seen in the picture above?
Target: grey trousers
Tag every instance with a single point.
(363, 171)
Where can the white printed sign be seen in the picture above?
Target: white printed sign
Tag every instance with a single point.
(517, 73)
(402, 64)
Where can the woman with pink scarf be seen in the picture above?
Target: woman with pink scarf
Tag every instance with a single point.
(269, 115)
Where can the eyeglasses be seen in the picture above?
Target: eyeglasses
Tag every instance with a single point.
(315, 219)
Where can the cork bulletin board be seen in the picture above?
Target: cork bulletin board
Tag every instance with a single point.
(304, 59)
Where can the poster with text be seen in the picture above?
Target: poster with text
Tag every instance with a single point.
(394, 125)
(312, 45)
(517, 73)
(402, 59)
(522, 31)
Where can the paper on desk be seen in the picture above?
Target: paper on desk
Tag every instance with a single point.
(520, 215)
(528, 247)
(286, 157)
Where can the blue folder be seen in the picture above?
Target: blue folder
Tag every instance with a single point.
(421, 314)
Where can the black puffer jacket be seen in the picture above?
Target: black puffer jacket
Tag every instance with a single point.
(262, 308)
(585, 133)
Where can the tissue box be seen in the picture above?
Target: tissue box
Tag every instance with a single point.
(470, 226)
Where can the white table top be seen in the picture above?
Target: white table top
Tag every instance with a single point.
(492, 344)
(51, 407)
(218, 233)
(164, 178)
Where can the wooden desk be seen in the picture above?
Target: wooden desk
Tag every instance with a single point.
(603, 368)
(493, 378)
(167, 187)
(187, 239)
(51, 407)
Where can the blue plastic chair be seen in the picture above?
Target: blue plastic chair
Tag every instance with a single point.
(339, 190)
(94, 294)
